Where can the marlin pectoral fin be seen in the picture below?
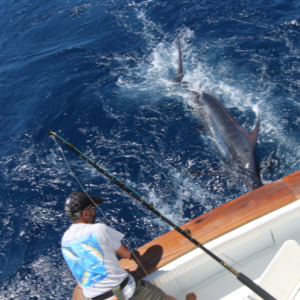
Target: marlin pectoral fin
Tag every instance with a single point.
(178, 77)
(253, 134)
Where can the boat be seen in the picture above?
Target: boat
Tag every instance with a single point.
(252, 233)
(257, 234)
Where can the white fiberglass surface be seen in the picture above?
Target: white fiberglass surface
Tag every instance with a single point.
(248, 252)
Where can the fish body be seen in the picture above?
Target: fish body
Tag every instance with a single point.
(235, 142)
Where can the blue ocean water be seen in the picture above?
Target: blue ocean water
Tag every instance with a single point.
(100, 74)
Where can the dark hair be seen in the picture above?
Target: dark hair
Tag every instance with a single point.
(76, 217)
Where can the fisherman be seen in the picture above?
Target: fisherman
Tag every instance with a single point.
(89, 250)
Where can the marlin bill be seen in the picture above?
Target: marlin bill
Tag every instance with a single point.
(235, 142)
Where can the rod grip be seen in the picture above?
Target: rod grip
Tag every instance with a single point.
(254, 287)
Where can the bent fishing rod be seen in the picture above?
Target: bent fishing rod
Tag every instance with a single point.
(185, 232)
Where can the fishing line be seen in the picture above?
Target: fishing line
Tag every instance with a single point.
(185, 232)
(82, 188)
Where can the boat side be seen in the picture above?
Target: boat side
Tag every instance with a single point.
(246, 233)
(248, 249)
(215, 223)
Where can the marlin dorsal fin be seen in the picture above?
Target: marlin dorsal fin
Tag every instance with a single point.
(253, 134)
(178, 77)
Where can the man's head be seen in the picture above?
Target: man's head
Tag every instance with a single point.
(80, 207)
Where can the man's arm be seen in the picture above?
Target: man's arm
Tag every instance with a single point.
(123, 251)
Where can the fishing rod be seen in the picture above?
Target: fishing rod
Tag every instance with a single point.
(185, 232)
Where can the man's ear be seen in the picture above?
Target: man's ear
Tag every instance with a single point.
(84, 214)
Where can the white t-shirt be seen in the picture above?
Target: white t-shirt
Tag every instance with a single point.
(89, 250)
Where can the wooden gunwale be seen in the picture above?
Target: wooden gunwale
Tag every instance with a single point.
(215, 223)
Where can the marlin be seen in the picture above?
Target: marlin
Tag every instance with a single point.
(236, 142)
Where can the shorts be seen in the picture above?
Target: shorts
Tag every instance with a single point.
(147, 291)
